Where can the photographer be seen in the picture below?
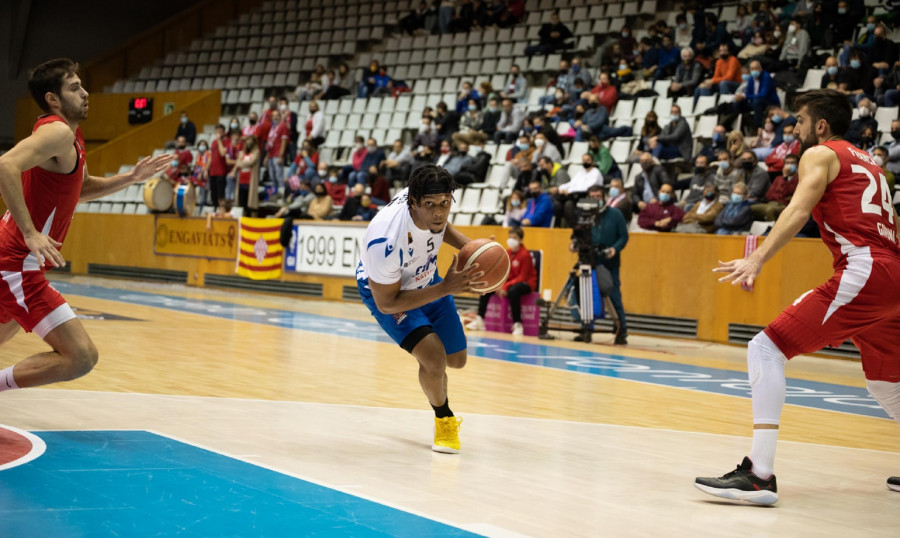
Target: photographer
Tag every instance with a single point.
(608, 235)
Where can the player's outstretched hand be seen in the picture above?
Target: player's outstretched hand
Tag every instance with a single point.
(150, 166)
(45, 248)
(742, 271)
(457, 281)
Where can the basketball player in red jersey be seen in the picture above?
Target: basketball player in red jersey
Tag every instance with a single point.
(848, 196)
(42, 179)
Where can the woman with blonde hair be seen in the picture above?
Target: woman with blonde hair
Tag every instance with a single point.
(735, 143)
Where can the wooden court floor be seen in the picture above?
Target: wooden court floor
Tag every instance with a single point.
(558, 438)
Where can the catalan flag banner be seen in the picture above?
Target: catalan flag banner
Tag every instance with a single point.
(260, 254)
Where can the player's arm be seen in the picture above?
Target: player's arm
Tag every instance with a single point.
(97, 187)
(48, 141)
(454, 237)
(390, 299)
(818, 165)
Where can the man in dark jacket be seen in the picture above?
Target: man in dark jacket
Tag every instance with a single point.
(675, 140)
(736, 217)
(687, 75)
(553, 37)
(648, 182)
(187, 129)
(446, 121)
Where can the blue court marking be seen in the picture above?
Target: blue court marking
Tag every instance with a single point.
(136, 483)
(828, 396)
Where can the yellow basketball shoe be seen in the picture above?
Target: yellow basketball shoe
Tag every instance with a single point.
(446, 435)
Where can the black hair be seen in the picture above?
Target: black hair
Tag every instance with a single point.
(829, 105)
(792, 156)
(882, 148)
(595, 188)
(49, 77)
(518, 231)
(429, 179)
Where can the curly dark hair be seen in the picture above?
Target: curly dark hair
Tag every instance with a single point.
(829, 105)
(429, 179)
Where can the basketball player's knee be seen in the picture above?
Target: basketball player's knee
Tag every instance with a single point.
(82, 359)
(762, 356)
(457, 360)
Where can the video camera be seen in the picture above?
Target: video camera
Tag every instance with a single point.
(587, 213)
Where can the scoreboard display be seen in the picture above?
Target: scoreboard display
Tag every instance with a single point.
(140, 110)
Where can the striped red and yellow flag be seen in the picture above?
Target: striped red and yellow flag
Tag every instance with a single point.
(260, 256)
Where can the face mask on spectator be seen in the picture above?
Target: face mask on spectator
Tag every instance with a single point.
(675, 117)
(864, 112)
(202, 148)
(539, 143)
(748, 166)
(870, 27)
(682, 26)
(665, 197)
(788, 139)
(181, 146)
(745, 77)
(867, 140)
(282, 107)
(445, 150)
(757, 41)
(776, 118)
(513, 244)
(273, 105)
(522, 146)
(358, 146)
(724, 165)
(777, 34)
(515, 203)
(625, 34)
(895, 135)
(332, 179)
(587, 165)
(253, 121)
(235, 125)
(613, 192)
(174, 163)
(832, 70)
(623, 67)
(699, 170)
(321, 193)
(184, 120)
(718, 138)
(425, 127)
(710, 195)
(755, 73)
(371, 148)
(737, 198)
(791, 169)
(842, 11)
(879, 160)
(323, 172)
(855, 64)
(559, 95)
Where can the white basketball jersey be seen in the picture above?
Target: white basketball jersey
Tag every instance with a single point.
(398, 250)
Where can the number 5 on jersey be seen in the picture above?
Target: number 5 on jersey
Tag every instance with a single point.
(872, 191)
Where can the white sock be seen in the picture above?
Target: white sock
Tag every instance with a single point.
(765, 366)
(6, 379)
(763, 452)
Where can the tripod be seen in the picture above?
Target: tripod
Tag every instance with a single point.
(580, 273)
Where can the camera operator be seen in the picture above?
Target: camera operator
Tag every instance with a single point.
(608, 235)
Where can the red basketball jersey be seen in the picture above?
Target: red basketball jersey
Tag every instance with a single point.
(856, 210)
(51, 199)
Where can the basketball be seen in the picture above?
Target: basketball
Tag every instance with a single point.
(492, 259)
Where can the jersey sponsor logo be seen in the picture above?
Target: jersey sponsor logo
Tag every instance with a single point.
(864, 157)
(399, 317)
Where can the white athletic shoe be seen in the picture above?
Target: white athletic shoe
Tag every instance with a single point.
(476, 324)
(518, 330)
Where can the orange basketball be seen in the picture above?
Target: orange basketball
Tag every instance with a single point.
(492, 259)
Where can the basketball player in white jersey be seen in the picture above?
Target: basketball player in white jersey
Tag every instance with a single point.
(399, 282)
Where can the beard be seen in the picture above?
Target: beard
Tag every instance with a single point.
(808, 142)
(73, 111)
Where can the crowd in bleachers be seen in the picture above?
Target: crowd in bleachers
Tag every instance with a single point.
(528, 107)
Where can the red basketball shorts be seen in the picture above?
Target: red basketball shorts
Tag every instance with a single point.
(860, 302)
(28, 298)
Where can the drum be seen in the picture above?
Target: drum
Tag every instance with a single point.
(185, 200)
(158, 194)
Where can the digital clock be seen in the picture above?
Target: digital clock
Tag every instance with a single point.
(140, 110)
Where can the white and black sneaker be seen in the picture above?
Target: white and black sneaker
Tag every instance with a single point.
(893, 483)
(742, 485)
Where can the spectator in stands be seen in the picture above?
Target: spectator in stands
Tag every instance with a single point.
(522, 281)
(299, 203)
(184, 157)
(466, 95)
(187, 129)
(545, 128)
(796, 46)
(736, 217)
(539, 207)
(593, 122)
(696, 188)
(603, 158)
(605, 91)
(559, 87)
(832, 74)
(716, 33)
(764, 138)
(373, 158)
(736, 144)
(662, 214)
(252, 127)
(336, 188)
(446, 121)
(234, 125)
(726, 175)
(887, 87)
(356, 158)
(701, 217)
(218, 165)
(312, 88)
(867, 140)
(396, 167)
(366, 210)
(200, 176)
(619, 198)
(726, 78)
(446, 152)
(474, 171)
(883, 52)
(650, 129)
(414, 20)
(236, 145)
(553, 174)
(458, 158)
(648, 182)
(718, 141)
(893, 162)
(288, 117)
(341, 85)
(486, 93)
(674, 141)
(859, 81)
(649, 58)
(754, 177)
(307, 161)
(470, 125)
(866, 119)
(757, 46)
(368, 83)
(516, 87)
(510, 122)
(316, 127)
(279, 136)
(427, 137)
(682, 31)
(553, 36)
(881, 155)
(544, 149)
(627, 44)
(780, 192)
(321, 206)
(246, 168)
(790, 144)
(515, 209)
(668, 58)
(687, 75)
(351, 204)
